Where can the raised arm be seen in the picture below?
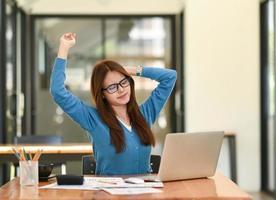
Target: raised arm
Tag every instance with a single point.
(72, 105)
(159, 96)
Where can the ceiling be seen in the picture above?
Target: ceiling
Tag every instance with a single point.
(52, 29)
(103, 7)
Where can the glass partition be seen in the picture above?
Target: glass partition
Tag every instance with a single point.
(127, 40)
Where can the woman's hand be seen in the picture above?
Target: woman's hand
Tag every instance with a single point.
(132, 70)
(67, 41)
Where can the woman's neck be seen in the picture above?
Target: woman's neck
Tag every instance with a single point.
(121, 112)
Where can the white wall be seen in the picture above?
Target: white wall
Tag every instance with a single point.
(222, 76)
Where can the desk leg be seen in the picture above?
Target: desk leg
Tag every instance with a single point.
(4, 174)
(233, 158)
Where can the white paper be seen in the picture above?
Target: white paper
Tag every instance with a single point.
(95, 183)
(131, 191)
(103, 181)
(68, 187)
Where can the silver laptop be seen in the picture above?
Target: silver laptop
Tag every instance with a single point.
(189, 156)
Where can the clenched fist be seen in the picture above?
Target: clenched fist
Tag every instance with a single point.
(68, 40)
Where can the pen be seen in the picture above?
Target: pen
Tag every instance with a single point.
(101, 181)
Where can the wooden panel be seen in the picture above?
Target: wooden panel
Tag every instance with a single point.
(66, 148)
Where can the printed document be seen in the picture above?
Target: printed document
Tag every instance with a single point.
(96, 183)
(130, 191)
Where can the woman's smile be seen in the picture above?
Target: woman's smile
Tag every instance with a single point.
(122, 96)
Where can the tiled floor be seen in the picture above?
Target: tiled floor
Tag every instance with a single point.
(260, 196)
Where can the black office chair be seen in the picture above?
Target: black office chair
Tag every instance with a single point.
(155, 163)
(89, 164)
(41, 139)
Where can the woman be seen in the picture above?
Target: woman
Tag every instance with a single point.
(119, 128)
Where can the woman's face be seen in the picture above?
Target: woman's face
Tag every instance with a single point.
(116, 88)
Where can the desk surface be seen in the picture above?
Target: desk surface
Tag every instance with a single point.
(217, 187)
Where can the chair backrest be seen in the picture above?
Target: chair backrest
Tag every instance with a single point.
(38, 139)
(155, 163)
(89, 164)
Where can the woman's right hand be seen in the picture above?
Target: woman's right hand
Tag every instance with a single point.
(68, 40)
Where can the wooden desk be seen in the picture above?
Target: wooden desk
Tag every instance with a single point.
(53, 153)
(217, 187)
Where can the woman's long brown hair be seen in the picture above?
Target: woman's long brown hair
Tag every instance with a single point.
(107, 113)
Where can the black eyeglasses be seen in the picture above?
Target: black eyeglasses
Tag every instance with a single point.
(115, 86)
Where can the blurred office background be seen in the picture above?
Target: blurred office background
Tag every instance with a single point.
(223, 51)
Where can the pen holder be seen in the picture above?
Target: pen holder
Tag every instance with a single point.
(28, 173)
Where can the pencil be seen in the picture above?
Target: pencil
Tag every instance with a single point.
(40, 152)
(16, 154)
(30, 155)
(37, 154)
(22, 155)
(25, 154)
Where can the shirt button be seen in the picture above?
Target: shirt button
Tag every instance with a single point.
(136, 147)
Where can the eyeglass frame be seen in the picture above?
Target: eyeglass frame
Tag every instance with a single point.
(117, 85)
